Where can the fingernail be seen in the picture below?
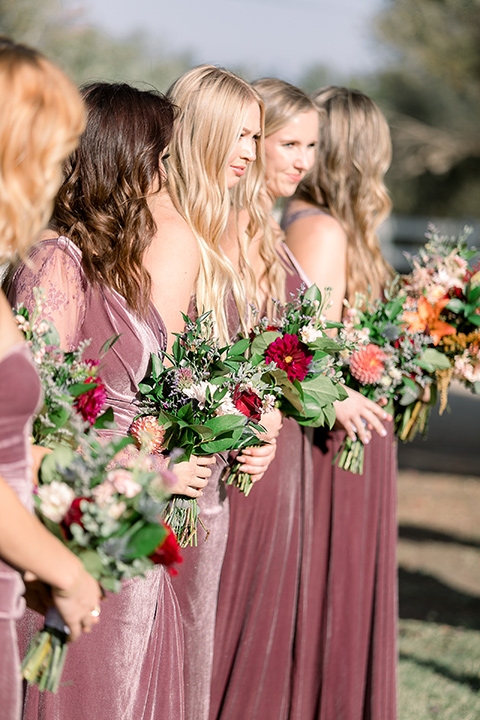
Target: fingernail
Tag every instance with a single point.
(383, 433)
(366, 441)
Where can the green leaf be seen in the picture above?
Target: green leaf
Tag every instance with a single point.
(109, 344)
(476, 387)
(474, 294)
(145, 541)
(262, 341)
(91, 562)
(456, 305)
(223, 423)
(474, 318)
(104, 420)
(432, 359)
(313, 293)
(321, 390)
(81, 388)
(62, 456)
(240, 347)
(326, 344)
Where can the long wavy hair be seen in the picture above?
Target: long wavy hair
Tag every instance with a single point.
(102, 205)
(283, 102)
(41, 118)
(213, 103)
(347, 181)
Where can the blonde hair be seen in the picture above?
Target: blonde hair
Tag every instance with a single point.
(354, 154)
(283, 102)
(41, 119)
(213, 103)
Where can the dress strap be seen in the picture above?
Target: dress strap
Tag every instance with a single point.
(290, 218)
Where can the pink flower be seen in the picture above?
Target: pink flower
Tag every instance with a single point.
(90, 403)
(148, 433)
(289, 354)
(366, 364)
(123, 482)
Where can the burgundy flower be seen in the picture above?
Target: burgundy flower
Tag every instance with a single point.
(290, 355)
(248, 403)
(74, 515)
(168, 552)
(90, 403)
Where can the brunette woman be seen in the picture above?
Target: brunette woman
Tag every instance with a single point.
(331, 228)
(91, 265)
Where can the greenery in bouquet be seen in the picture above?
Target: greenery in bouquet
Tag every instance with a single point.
(298, 359)
(73, 393)
(443, 291)
(208, 399)
(110, 517)
(384, 361)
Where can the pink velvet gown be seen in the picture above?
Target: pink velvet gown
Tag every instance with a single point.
(198, 580)
(131, 665)
(19, 397)
(350, 657)
(262, 608)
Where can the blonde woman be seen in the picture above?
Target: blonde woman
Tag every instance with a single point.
(331, 228)
(40, 120)
(214, 149)
(261, 616)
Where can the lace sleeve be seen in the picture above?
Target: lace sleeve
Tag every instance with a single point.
(54, 267)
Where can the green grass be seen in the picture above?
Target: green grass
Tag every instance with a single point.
(439, 672)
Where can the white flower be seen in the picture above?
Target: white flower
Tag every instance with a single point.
(227, 407)
(386, 381)
(310, 333)
(123, 483)
(56, 499)
(116, 510)
(268, 403)
(395, 374)
(199, 392)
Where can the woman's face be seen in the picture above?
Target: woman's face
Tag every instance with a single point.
(290, 153)
(245, 150)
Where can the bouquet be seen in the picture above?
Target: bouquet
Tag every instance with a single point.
(74, 394)
(443, 291)
(208, 400)
(110, 517)
(297, 359)
(383, 360)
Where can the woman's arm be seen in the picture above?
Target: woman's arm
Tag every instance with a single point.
(27, 545)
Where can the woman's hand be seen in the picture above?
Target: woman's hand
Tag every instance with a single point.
(272, 422)
(358, 416)
(79, 605)
(38, 453)
(255, 460)
(192, 476)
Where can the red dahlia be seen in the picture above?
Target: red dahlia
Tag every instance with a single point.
(291, 355)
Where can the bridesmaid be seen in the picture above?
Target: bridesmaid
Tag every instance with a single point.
(331, 228)
(261, 613)
(91, 265)
(189, 273)
(40, 121)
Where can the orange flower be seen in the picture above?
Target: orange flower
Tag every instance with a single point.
(427, 319)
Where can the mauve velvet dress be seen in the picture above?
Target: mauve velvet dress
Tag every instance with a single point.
(350, 659)
(262, 611)
(19, 396)
(131, 666)
(198, 580)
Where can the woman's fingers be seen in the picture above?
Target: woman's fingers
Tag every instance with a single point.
(255, 460)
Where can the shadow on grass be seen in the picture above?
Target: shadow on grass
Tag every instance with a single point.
(422, 534)
(473, 681)
(423, 597)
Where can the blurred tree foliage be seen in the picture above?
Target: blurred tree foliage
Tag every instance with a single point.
(85, 52)
(431, 95)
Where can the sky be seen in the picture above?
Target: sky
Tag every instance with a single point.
(280, 37)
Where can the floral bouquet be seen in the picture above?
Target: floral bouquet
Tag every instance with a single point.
(443, 291)
(73, 392)
(384, 361)
(110, 517)
(208, 400)
(298, 360)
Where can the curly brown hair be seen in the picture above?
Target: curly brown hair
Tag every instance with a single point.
(102, 205)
